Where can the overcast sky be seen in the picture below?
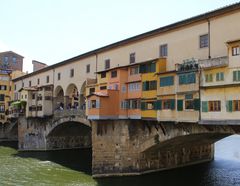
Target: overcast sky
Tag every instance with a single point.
(51, 31)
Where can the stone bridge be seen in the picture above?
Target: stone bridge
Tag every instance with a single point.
(9, 131)
(124, 147)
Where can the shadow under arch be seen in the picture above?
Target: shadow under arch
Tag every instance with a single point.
(66, 147)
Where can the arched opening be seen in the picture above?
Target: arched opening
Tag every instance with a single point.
(69, 135)
(72, 96)
(59, 98)
(82, 96)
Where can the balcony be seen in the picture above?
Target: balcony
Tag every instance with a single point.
(69, 113)
(214, 62)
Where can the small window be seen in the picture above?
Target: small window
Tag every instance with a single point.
(214, 106)
(72, 73)
(14, 60)
(59, 76)
(38, 81)
(209, 78)
(5, 60)
(47, 79)
(113, 74)
(103, 87)
(236, 105)
(203, 41)
(235, 51)
(91, 90)
(164, 50)
(30, 83)
(132, 58)
(166, 81)
(25, 96)
(15, 87)
(124, 88)
(236, 75)
(134, 70)
(93, 104)
(220, 76)
(103, 74)
(2, 97)
(33, 96)
(187, 78)
(88, 68)
(107, 63)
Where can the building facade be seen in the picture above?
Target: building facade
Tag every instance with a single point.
(11, 60)
(159, 75)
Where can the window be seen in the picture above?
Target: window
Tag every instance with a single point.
(59, 76)
(25, 96)
(33, 96)
(208, 78)
(149, 85)
(236, 75)
(103, 74)
(39, 97)
(132, 58)
(134, 87)
(134, 104)
(30, 83)
(166, 81)
(88, 68)
(107, 63)
(203, 41)
(14, 60)
(3, 87)
(164, 50)
(22, 84)
(49, 98)
(113, 74)
(236, 105)
(103, 87)
(147, 68)
(124, 104)
(124, 88)
(134, 70)
(5, 61)
(214, 106)
(2, 108)
(235, 51)
(72, 73)
(187, 78)
(91, 90)
(38, 81)
(220, 76)
(189, 101)
(166, 104)
(39, 108)
(2, 97)
(47, 79)
(15, 87)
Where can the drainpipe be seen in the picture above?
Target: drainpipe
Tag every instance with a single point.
(209, 39)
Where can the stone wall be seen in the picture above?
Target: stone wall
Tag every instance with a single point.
(127, 147)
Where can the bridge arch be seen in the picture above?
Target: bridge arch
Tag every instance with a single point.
(69, 134)
(72, 96)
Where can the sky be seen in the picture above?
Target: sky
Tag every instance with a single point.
(51, 31)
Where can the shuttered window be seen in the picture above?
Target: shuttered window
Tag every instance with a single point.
(236, 75)
(187, 78)
(166, 81)
(209, 78)
(147, 68)
(180, 105)
(220, 76)
(149, 85)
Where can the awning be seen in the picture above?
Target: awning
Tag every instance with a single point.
(18, 103)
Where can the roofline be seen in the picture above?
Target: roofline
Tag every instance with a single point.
(11, 52)
(35, 61)
(185, 22)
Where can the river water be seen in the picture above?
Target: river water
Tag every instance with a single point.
(72, 168)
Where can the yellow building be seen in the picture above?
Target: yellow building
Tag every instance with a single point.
(220, 87)
(148, 72)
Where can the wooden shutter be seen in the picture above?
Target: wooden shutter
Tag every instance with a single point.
(180, 105)
(143, 106)
(172, 104)
(229, 106)
(196, 104)
(159, 104)
(204, 106)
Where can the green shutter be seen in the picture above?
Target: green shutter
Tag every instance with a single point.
(155, 105)
(144, 86)
(180, 105)
(159, 104)
(229, 106)
(234, 75)
(172, 104)
(196, 104)
(143, 106)
(204, 106)
(222, 76)
(217, 77)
